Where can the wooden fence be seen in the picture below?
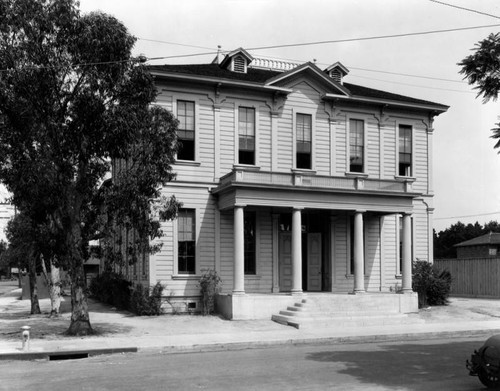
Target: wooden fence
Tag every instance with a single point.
(473, 277)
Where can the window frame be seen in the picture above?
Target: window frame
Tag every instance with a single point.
(189, 98)
(177, 270)
(312, 115)
(348, 146)
(253, 215)
(255, 107)
(237, 143)
(399, 126)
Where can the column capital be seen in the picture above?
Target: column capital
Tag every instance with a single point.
(360, 211)
(239, 205)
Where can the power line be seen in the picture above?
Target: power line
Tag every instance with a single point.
(460, 217)
(374, 37)
(413, 85)
(465, 9)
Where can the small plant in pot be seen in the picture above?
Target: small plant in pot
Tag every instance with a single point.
(210, 285)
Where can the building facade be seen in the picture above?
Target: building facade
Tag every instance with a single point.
(292, 181)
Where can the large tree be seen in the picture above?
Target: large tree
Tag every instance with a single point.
(482, 69)
(73, 100)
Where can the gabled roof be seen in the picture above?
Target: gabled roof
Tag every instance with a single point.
(339, 66)
(230, 55)
(490, 238)
(311, 68)
(265, 78)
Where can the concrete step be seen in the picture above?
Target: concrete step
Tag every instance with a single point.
(343, 322)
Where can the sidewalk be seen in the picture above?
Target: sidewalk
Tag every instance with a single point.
(121, 331)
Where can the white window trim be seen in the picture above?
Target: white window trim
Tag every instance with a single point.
(175, 237)
(312, 113)
(187, 97)
(237, 105)
(348, 145)
(412, 125)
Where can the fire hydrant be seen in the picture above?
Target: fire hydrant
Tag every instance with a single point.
(25, 337)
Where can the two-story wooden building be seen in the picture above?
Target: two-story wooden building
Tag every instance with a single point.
(292, 181)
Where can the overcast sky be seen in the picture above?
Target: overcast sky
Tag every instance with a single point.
(467, 168)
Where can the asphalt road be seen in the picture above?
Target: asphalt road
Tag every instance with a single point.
(415, 366)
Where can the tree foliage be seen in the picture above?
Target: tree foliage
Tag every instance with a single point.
(445, 240)
(73, 100)
(482, 69)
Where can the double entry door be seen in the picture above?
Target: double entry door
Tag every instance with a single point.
(311, 262)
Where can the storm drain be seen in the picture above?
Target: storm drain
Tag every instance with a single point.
(70, 356)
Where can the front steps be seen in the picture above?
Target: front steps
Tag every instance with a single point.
(343, 310)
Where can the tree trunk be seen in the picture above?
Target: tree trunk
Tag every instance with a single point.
(80, 320)
(35, 305)
(53, 279)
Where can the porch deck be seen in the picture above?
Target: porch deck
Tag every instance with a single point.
(315, 305)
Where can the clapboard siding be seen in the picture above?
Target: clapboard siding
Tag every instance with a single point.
(420, 159)
(264, 138)
(372, 150)
(341, 283)
(321, 143)
(227, 137)
(391, 251)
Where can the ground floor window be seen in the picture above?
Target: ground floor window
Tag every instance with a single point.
(186, 245)
(250, 243)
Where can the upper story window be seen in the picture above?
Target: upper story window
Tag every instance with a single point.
(186, 242)
(185, 133)
(356, 145)
(304, 141)
(246, 135)
(405, 150)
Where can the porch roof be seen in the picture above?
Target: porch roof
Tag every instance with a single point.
(303, 190)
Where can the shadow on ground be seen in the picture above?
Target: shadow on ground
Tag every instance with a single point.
(385, 365)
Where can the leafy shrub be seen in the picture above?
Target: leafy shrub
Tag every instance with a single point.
(210, 285)
(111, 288)
(432, 284)
(145, 301)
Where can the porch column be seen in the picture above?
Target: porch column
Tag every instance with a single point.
(406, 264)
(239, 252)
(296, 251)
(359, 253)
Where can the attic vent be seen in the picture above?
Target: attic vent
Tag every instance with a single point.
(239, 64)
(336, 75)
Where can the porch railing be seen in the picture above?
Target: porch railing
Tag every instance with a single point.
(306, 180)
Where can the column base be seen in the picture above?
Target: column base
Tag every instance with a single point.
(238, 293)
(406, 291)
(296, 292)
(359, 292)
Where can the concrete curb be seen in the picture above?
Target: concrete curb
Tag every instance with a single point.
(234, 346)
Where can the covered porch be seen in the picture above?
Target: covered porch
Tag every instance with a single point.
(298, 269)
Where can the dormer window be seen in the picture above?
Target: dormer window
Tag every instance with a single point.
(237, 61)
(239, 64)
(336, 75)
(337, 72)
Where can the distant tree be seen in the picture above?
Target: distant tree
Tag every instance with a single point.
(445, 241)
(73, 100)
(482, 69)
(22, 251)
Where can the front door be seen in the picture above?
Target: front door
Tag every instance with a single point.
(314, 276)
(285, 262)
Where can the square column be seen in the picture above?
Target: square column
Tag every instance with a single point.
(406, 261)
(359, 253)
(296, 251)
(239, 252)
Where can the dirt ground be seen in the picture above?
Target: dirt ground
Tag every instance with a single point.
(108, 321)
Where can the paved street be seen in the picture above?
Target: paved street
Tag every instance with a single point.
(415, 366)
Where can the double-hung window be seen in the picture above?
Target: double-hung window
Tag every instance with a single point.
(246, 135)
(356, 145)
(405, 150)
(186, 241)
(250, 243)
(304, 141)
(185, 133)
